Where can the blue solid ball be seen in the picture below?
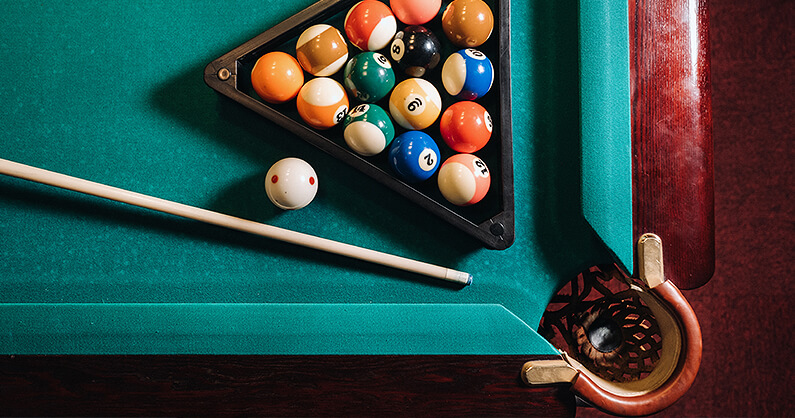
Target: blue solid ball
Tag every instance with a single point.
(467, 74)
(414, 156)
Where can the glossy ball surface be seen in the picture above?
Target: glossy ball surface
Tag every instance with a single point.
(277, 77)
(369, 76)
(291, 183)
(466, 126)
(321, 50)
(467, 74)
(415, 49)
(368, 129)
(370, 25)
(415, 12)
(464, 179)
(322, 103)
(468, 23)
(415, 104)
(414, 156)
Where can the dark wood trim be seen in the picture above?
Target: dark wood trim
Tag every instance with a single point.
(275, 386)
(672, 134)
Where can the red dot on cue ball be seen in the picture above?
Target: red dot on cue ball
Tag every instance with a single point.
(297, 183)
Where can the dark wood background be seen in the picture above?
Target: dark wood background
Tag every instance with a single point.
(746, 310)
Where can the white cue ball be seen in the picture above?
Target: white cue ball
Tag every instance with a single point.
(291, 183)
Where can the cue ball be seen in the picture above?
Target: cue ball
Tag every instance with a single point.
(415, 12)
(467, 74)
(466, 126)
(415, 49)
(291, 183)
(414, 156)
(370, 25)
(369, 76)
(368, 129)
(321, 50)
(467, 23)
(415, 104)
(277, 77)
(322, 103)
(464, 179)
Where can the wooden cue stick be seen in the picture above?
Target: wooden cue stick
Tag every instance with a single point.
(63, 181)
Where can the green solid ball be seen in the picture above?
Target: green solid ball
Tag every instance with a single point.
(369, 76)
(368, 129)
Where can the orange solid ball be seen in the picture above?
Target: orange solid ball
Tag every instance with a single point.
(277, 77)
(466, 126)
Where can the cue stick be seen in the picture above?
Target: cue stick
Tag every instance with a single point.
(63, 181)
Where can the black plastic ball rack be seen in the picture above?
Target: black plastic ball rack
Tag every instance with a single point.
(491, 221)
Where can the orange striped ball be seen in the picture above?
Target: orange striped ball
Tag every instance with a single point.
(415, 104)
(322, 103)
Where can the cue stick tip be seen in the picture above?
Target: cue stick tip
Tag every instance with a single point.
(459, 277)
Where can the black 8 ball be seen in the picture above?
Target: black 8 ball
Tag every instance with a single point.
(415, 49)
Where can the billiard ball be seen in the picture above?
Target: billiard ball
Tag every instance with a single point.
(467, 23)
(370, 25)
(321, 50)
(467, 74)
(368, 129)
(369, 76)
(291, 183)
(466, 126)
(415, 49)
(414, 156)
(415, 104)
(277, 77)
(415, 12)
(464, 179)
(322, 103)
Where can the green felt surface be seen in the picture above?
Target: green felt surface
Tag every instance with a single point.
(113, 92)
(295, 329)
(606, 153)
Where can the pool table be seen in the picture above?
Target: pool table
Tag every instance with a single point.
(110, 309)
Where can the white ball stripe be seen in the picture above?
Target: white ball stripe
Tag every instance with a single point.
(397, 115)
(457, 183)
(454, 74)
(322, 92)
(311, 33)
(430, 92)
(382, 34)
(365, 138)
